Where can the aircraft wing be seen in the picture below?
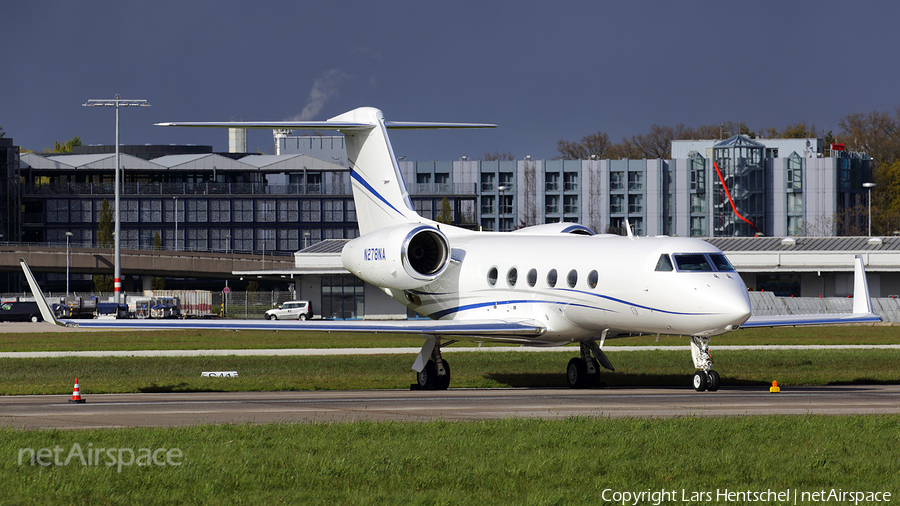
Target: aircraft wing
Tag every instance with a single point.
(514, 330)
(862, 308)
(511, 329)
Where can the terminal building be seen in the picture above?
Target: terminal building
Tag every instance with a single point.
(298, 202)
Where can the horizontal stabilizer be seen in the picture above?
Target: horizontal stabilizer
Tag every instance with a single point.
(323, 125)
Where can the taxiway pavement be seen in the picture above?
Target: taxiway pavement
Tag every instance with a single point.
(183, 409)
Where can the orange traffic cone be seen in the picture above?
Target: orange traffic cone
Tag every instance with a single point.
(774, 388)
(76, 395)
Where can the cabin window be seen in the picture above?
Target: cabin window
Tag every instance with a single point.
(532, 277)
(492, 276)
(593, 278)
(664, 264)
(512, 276)
(551, 278)
(572, 278)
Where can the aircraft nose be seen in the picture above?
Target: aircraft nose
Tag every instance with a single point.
(737, 307)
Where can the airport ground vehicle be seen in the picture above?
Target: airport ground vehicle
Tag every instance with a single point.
(291, 310)
(20, 312)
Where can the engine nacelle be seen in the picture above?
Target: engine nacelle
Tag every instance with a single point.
(402, 257)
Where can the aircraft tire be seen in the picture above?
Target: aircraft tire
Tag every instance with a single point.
(701, 380)
(443, 382)
(427, 377)
(714, 381)
(576, 374)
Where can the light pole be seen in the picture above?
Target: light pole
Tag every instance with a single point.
(68, 234)
(117, 102)
(502, 189)
(869, 186)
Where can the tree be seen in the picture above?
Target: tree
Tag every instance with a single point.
(67, 146)
(496, 155)
(877, 134)
(446, 215)
(2, 133)
(595, 145)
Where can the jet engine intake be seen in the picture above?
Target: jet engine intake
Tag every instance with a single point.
(401, 257)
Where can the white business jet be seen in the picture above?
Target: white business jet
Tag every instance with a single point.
(545, 285)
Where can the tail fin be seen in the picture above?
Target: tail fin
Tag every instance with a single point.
(862, 303)
(378, 189)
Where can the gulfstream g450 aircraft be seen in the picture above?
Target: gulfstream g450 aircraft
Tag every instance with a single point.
(546, 285)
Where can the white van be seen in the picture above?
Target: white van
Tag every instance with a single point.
(291, 310)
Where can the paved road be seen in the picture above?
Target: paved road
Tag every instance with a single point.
(166, 410)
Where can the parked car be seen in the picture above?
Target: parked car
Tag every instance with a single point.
(20, 312)
(291, 310)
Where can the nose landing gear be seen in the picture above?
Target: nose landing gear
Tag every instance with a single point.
(705, 378)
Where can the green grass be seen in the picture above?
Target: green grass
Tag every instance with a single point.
(469, 369)
(209, 339)
(511, 461)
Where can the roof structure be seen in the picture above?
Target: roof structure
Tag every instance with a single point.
(291, 163)
(809, 254)
(739, 141)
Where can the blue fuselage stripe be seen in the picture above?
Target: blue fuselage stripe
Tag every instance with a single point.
(355, 175)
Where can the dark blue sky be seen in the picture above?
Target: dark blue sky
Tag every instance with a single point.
(542, 71)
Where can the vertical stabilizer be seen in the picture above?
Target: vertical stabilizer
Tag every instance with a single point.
(378, 189)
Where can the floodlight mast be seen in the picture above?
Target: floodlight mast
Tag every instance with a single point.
(117, 102)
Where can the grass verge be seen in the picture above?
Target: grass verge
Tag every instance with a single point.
(209, 339)
(512, 461)
(470, 369)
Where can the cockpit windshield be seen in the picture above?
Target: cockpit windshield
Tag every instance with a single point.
(721, 263)
(696, 262)
(692, 262)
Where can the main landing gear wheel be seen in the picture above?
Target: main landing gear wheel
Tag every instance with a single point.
(428, 378)
(706, 380)
(576, 374)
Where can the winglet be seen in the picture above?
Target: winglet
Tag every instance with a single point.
(862, 303)
(46, 312)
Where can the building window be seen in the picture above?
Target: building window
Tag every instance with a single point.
(265, 211)
(616, 181)
(343, 297)
(507, 225)
(506, 204)
(242, 239)
(698, 226)
(288, 211)
(506, 179)
(795, 225)
(423, 178)
(333, 211)
(151, 211)
(570, 204)
(551, 181)
(288, 239)
(487, 183)
(196, 211)
(311, 211)
(487, 204)
(637, 224)
(265, 239)
(795, 173)
(488, 225)
(698, 174)
(552, 204)
(243, 211)
(80, 211)
(570, 181)
(795, 202)
(220, 239)
(129, 212)
(698, 202)
(616, 203)
(635, 181)
(57, 211)
(220, 211)
(350, 207)
(424, 208)
(636, 203)
(197, 239)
